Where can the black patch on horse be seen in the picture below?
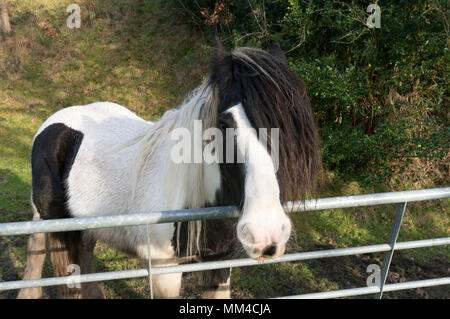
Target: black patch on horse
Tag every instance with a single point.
(54, 151)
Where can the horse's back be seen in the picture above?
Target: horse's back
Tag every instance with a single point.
(101, 119)
(82, 159)
(83, 162)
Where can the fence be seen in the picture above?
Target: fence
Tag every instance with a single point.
(400, 198)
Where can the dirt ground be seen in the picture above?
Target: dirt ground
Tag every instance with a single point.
(350, 272)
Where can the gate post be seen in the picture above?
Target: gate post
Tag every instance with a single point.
(392, 241)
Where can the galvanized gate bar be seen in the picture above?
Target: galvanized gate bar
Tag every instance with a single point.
(372, 289)
(158, 217)
(211, 265)
(126, 274)
(392, 241)
(422, 243)
(149, 252)
(63, 280)
(120, 220)
(369, 199)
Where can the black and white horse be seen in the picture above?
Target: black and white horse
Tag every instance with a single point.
(102, 159)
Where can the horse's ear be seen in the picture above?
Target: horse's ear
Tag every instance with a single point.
(278, 53)
(221, 64)
(219, 50)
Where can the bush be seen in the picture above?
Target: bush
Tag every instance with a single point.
(380, 95)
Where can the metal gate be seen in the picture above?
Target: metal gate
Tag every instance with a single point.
(400, 198)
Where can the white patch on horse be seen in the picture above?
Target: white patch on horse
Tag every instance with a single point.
(263, 222)
(130, 158)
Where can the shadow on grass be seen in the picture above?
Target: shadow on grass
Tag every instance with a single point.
(126, 289)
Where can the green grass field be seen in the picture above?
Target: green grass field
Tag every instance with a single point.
(139, 55)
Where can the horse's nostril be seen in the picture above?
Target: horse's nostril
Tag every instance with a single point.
(269, 251)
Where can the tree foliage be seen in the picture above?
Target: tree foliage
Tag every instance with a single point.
(380, 94)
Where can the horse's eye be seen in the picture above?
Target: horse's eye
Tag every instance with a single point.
(225, 121)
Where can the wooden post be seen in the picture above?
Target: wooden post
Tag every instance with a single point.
(4, 19)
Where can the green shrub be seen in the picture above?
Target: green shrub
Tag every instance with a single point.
(380, 95)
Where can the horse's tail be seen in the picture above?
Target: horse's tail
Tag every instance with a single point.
(65, 258)
(73, 252)
(64, 251)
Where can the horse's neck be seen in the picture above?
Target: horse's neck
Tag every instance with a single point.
(182, 185)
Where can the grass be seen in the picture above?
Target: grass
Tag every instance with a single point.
(137, 54)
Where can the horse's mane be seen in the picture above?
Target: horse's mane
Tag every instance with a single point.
(183, 184)
(272, 96)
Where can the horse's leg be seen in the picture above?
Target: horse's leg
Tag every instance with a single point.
(167, 286)
(35, 261)
(216, 283)
(90, 290)
(219, 238)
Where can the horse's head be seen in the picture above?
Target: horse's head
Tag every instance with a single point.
(263, 102)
